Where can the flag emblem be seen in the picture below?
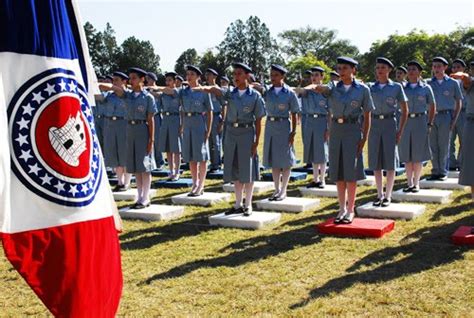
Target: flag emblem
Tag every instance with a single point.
(54, 149)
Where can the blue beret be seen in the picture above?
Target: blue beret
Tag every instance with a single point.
(225, 78)
(347, 60)
(110, 77)
(440, 59)
(384, 60)
(318, 69)
(101, 77)
(152, 76)
(120, 74)
(243, 66)
(279, 68)
(172, 74)
(307, 72)
(137, 71)
(334, 73)
(180, 78)
(194, 68)
(460, 62)
(402, 68)
(415, 63)
(213, 71)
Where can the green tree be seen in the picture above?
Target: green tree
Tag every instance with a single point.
(250, 42)
(188, 57)
(215, 61)
(297, 66)
(103, 48)
(322, 43)
(134, 52)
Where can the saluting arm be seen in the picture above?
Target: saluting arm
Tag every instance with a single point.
(119, 91)
(151, 132)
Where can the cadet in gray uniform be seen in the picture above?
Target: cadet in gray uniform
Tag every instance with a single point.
(169, 137)
(304, 81)
(196, 127)
(348, 100)
(245, 110)
(455, 161)
(282, 106)
(98, 112)
(414, 146)
(466, 176)
(150, 80)
(401, 75)
(141, 109)
(315, 117)
(179, 81)
(385, 134)
(215, 140)
(115, 133)
(448, 98)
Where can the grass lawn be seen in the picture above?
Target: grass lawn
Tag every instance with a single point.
(188, 268)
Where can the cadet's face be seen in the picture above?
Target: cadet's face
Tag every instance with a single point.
(135, 80)
(179, 83)
(224, 83)
(210, 78)
(439, 68)
(276, 77)
(239, 77)
(316, 77)
(345, 70)
(413, 73)
(117, 81)
(400, 75)
(170, 81)
(382, 70)
(191, 76)
(334, 78)
(108, 80)
(457, 67)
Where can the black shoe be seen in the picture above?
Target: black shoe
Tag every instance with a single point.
(339, 218)
(348, 218)
(313, 185)
(321, 185)
(139, 206)
(247, 211)
(415, 189)
(280, 198)
(408, 189)
(453, 168)
(377, 202)
(213, 170)
(116, 188)
(196, 194)
(273, 197)
(386, 202)
(443, 177)
(433, 177)
(233, 210)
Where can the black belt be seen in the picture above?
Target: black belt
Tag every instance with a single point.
(240, 125)
(414, 115)
(345, 120)
(447, 111)
(273, 118)
(170, 113)
(136, 122)
(115, 118)
(386, 116)
(316, 115)
(216, 113)
(190, 114)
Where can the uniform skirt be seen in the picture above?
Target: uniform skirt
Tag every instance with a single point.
(315, 147)
(195, 146)
(466, 176)
(277, 152)
(137, 142)
(239, 165)
(344, 163)
(383, 144)
(115, 143)
(414, 145)
(169, 139)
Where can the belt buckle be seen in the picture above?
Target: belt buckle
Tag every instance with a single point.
(189, 114)
(114, 118)
(316, 116)
(381, 117)
(132, 122)
(272, 118)
(235, 125)
(167, 113)
(340, 120)
(412, 115)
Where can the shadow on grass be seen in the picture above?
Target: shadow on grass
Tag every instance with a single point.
(248, 250)
(431, 249)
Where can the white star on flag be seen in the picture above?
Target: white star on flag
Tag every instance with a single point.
(63, 85)
(84, 188)
(46, 179)
(21, 139)
(72, 87)
(27, 109)
(34, 169)
(73, 190)
(60, 186)
(94, 165)
(23, 123)
(88, 112)
(37, 97)
(50, 89)
(25, 155)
